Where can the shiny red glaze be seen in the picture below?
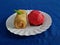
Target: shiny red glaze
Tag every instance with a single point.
(35, 18)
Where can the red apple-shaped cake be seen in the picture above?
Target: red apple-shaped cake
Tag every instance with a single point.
(35, 18)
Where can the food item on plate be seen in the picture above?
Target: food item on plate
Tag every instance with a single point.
(20, 20)
(35, 18)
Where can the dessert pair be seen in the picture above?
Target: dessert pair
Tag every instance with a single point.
(35, 18)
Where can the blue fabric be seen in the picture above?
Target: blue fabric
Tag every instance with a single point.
(49, 37)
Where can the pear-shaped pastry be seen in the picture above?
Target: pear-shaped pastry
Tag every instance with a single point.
(20, 20)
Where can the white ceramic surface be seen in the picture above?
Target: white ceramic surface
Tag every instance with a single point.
(29, 30)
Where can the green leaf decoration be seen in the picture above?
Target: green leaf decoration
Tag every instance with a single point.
(18, 12)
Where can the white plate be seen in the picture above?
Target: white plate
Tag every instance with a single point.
(29, 30)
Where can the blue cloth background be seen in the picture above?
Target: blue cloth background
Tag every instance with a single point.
(49, 37)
